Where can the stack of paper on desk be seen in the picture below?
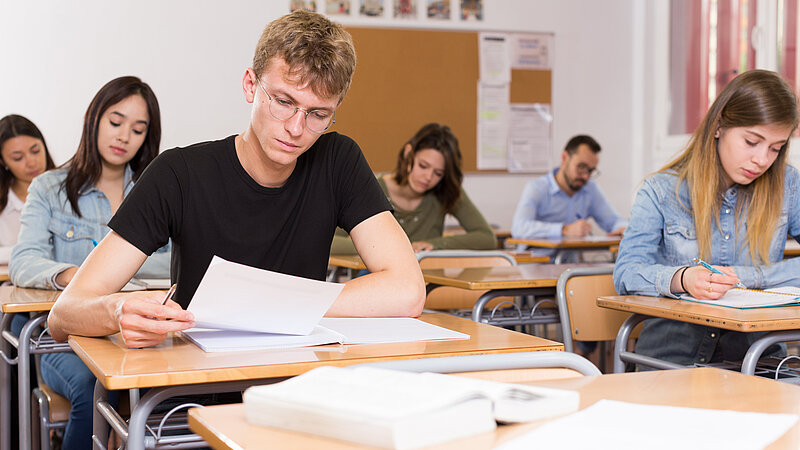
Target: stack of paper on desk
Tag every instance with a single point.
(238, 307)
(754, 298)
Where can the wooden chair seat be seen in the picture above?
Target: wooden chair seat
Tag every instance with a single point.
(59, 406)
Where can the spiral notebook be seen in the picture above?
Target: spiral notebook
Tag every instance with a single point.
(754, 298)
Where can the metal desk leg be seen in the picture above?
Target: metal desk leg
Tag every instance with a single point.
(5, 386)
(559, 258)
(99, 425)
(760, 346)
(24, 379)
(621, 343)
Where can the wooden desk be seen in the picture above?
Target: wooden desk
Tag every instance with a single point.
(354, 262)
(225, 427)
(792, 248)
(533, 279)
(782, 323)
(500, 234)
(4, 273)
(561, 245)
(16, 300)
(177, 367)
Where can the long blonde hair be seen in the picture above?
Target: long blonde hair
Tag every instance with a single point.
(756, 97)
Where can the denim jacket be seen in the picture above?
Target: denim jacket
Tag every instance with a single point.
(660, 239)
(53, 238)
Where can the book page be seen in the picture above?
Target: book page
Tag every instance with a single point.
(239, 297)
(384, 330)
(364, 391)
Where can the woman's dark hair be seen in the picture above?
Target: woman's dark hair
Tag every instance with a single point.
(440, 138)
(11, 126)
(87, 165)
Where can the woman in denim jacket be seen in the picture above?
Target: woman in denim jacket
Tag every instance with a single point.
(730, 199)
(66, 213)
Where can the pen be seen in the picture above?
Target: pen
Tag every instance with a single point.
(94, 242)
(170, 293)
(708, 266)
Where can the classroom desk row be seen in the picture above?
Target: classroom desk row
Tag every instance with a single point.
(225, 427)
(178, 367)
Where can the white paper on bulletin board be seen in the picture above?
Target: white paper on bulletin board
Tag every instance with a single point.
(494, 58)
(529, 137)
(493, 113)
(531, 51)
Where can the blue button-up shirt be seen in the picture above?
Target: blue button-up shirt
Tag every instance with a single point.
(544, 209)
(661, 238)
(53, 238)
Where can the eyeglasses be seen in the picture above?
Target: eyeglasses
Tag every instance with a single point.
(317, 120)
(584, 169)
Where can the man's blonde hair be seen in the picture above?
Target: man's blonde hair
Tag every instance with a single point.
(319, 52)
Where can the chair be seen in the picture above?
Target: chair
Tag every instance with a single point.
(576, 294)
(448, 298)
(495, 366)
(49, 411)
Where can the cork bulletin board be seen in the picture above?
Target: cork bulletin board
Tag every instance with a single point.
(406, 78)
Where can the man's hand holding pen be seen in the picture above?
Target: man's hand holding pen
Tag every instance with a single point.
(145, 318)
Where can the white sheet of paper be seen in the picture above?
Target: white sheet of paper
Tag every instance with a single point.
(385, 330)
(239, 297)
(610, 424)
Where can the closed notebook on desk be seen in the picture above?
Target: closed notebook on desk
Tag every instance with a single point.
(754, 298)
(394, 409)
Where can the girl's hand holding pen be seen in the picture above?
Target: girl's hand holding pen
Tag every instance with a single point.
(704, 284)
(145, 318)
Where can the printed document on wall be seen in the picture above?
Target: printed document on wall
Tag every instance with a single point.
(529, 137)
(531, 51)
(493, 113)
(495, 58)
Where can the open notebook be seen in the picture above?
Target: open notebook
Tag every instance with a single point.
(238, 307)
(754, 298)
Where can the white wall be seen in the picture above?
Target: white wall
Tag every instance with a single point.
(57, 54)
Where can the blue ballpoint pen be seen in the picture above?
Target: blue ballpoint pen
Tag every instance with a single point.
(708, 266)
(94, 242)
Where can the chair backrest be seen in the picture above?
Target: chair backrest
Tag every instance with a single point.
(581, 319)
(445, 298)
(493, 362)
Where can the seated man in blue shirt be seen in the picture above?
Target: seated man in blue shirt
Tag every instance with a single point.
(558, 204)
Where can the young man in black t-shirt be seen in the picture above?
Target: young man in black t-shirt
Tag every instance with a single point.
(269, 197)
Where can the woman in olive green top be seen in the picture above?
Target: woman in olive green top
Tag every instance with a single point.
(424, 187)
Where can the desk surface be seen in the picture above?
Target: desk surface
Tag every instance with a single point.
(4, 273)
(504, 277)
(21, 300)
(748, 320)
(176, 361)
(588, 242)
(355, 262)
(225, 427)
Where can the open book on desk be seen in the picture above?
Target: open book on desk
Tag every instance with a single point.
(373, 330)
(395, 409)
(754, 298)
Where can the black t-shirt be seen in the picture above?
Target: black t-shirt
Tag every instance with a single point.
(202, 198)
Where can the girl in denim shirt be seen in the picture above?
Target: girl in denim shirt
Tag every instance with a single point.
(66, 214)
(730, 199)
